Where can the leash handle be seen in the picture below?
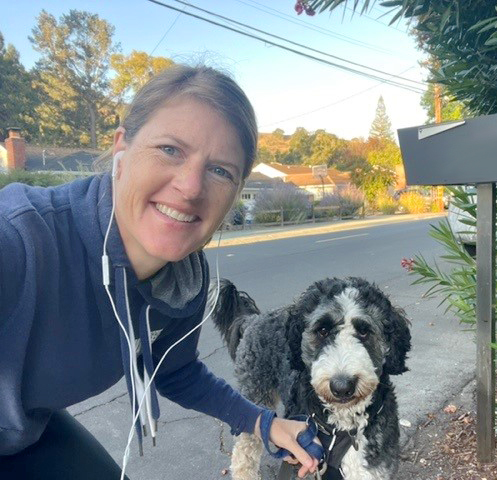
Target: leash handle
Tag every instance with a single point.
(305, 438)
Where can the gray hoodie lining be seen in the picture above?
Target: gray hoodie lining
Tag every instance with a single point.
(178, 282)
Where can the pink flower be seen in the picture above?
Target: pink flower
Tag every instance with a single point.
(302, 6)
(407, 263)
(309, 11)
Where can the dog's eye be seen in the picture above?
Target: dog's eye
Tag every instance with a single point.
(323, 332)
(363, 334)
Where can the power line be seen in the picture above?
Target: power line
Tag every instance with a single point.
(342, 67)
(291, 42)
(165, 34)
(317, 28)
(356, 94)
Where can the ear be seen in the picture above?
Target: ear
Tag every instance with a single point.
(399, 341)
(118, 149)
(295, 326)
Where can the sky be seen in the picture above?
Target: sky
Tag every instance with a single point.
(287, 90)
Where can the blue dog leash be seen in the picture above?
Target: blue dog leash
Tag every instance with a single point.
(305, 438)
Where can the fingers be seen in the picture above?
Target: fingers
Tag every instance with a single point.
(303, 471)
(284, 433)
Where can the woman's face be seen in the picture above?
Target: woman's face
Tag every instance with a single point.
(175, 182)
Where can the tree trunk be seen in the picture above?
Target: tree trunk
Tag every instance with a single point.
(93, 126)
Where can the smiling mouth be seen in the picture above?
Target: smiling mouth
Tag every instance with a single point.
(174, 214)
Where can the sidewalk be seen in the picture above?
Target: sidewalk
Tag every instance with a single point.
(255, 233)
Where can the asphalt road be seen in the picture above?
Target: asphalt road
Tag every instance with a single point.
(441, 362)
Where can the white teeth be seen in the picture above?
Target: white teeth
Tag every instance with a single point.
(170, 212)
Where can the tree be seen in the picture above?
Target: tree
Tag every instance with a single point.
(17, 98)
(381, 128)
(72, 74)
(134, 70)
(264, 155)
(379, 173)
(301, 143)
(460, 36)
(323, 147)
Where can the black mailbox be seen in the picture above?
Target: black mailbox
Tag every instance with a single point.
(452, 153)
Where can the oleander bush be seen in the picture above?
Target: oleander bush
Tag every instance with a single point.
(455, 281)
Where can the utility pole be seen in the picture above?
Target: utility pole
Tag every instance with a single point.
(438, 192)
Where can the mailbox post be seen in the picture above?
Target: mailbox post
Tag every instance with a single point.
(458, 153)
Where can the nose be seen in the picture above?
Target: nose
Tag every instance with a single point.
(343, 386)
(189, 181)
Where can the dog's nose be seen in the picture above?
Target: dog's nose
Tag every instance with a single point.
(343, 386)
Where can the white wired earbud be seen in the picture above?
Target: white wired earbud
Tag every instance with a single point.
(115, 161)
(106, 283)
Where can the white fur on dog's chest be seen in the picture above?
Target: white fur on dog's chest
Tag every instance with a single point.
(354, 465)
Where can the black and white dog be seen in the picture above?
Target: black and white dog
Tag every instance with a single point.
(329, 355)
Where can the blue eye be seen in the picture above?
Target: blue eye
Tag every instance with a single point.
(222, 172)
(169, 150)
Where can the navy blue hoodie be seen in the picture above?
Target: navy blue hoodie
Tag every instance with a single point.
(59, 340)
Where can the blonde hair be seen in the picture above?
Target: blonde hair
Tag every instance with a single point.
(202, 83)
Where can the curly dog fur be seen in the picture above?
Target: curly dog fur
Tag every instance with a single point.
(330, 353)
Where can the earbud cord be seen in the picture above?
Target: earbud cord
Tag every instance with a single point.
(106, 282)
(131, 431)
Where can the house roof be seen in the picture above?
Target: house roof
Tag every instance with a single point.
(334, 177)
(290, 169)
(59, 158)
(259, 180)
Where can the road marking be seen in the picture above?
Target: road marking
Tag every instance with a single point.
(230, 255)
(342, 238)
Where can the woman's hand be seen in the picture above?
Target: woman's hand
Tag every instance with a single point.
(283, 434)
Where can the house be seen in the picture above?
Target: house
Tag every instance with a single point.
(254, 184)
(302, 177)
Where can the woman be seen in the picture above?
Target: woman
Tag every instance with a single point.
(79, 282)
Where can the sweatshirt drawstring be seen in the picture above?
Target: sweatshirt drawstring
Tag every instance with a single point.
(146, 339)
(135, 383)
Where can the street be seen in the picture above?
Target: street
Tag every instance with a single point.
(441, 362)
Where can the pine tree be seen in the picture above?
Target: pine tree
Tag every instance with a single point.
(381, 128)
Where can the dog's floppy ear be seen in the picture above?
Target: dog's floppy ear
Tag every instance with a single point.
(294, 329)
(295, 324)
(399, 341)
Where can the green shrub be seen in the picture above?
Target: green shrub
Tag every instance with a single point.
(413, 202)
(267, 217)
(44, 179)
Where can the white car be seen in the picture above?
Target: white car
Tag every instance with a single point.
(465, 234)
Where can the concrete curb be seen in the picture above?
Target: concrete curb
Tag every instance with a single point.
(248, 238)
